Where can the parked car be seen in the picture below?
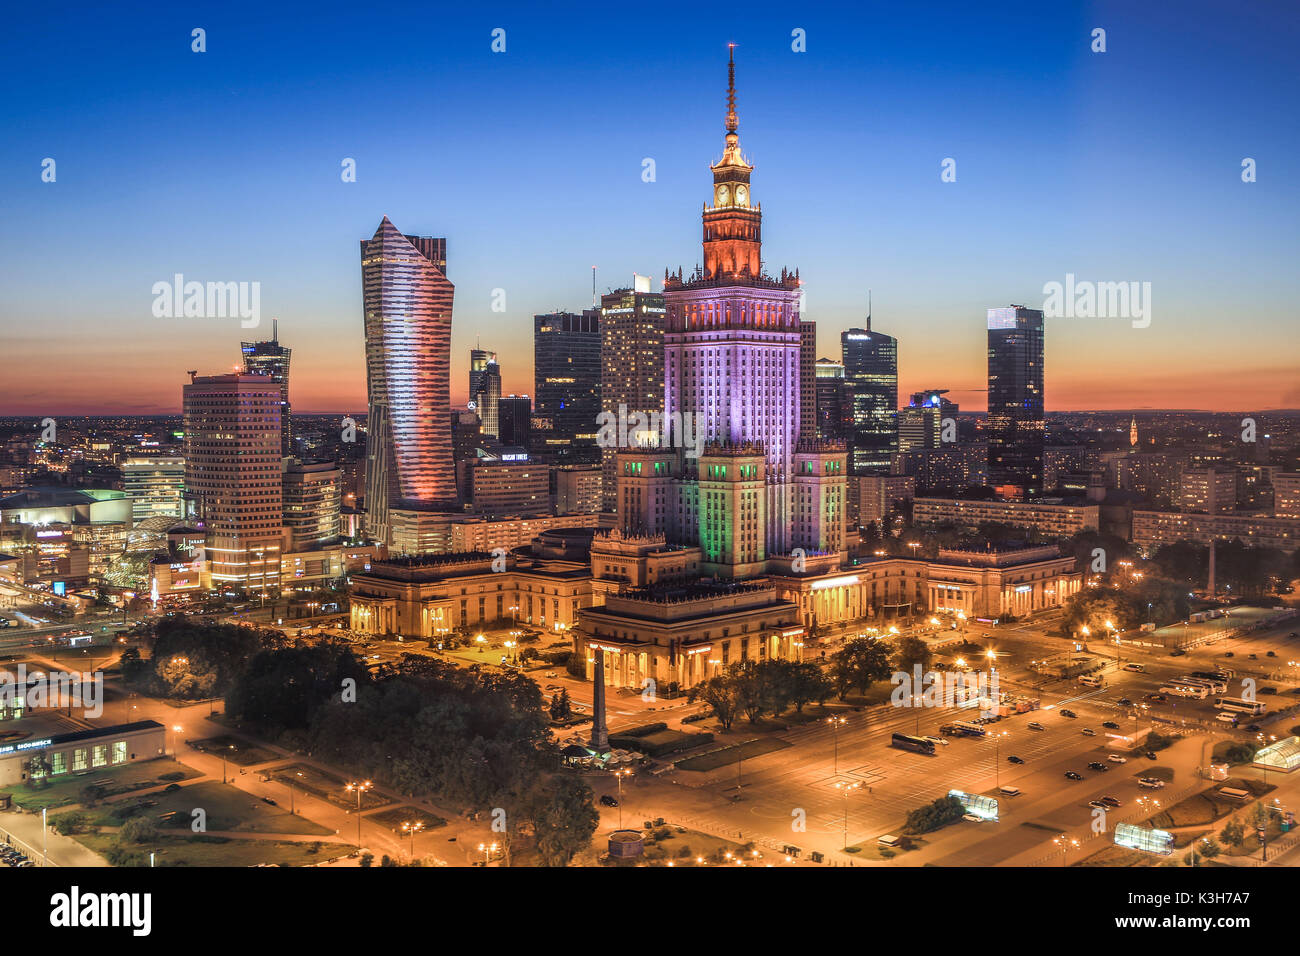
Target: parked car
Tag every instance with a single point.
(1112, 801)
(1124, 702)
(1069, 713)
(1014, 759)
(1177, 652)
(942, 741)
(1071, 775)
(1110, 725)
(1098, 805)
(1089, 732)
(608, 801)
(1035, 725)
(1116, 758)
(1151, 783)
(1150, 755)
(1228, 654)
(1098, 766)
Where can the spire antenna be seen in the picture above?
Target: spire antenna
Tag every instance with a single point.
(732, 122)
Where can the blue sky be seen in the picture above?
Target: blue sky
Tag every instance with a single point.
(225, 165)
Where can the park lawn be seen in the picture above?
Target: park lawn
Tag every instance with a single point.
(218, 851)
(1115, 856)
(729, 755)
(671, 840)
(227, 808)
(326, 786)
(235, 750)
(66, 788)
(883, 854)
(393, 819)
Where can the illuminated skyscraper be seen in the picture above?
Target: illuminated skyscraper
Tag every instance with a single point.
(1016, 420)
(733, 336)
(232, 473)
(487, 401)
(271, 358)
(632, 363)
(408, 305)
(871, 373)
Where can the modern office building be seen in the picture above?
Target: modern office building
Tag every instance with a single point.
(478, 363)
(567, 377)
(632, 363)
(807, 379)
(408, 307)
(1016, 426)
(233, 475)
(833, 401)
(921, 421)
(515, 414)
(876, 497)
(579, 489)
(871, 372)
(272, 359)
(487, 400)
(313, 497)
(156, 486)
(509, 487)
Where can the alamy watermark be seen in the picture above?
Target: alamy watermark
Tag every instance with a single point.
(208, 300)
(1098, 300)
(623, 429)
(943, 688)
(40, 691)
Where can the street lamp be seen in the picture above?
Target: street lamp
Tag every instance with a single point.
(487, 849)
(1066, 844)
(413, 829)
(835, 723)
(997, 757)
(620, 774)
(358, 789)
(846, 789)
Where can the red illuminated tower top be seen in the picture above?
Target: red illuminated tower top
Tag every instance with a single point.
(732, 227)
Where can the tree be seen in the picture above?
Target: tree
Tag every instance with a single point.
(1210, 848)
(808, 683)
(138, 830)
(38, 769)
(1233, 834)
(911, 651)
(561, 707)
(934, 815)
(859, 664)
(722, 695)
(564, 818)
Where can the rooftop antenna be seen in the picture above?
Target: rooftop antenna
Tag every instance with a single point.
(275, 331)
(868, 310)
(594, 303)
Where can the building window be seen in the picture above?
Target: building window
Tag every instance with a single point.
(58, 762)
(119, 751)
(79, 759)
(99, 755)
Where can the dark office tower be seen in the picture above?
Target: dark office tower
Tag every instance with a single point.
(807, 378)
(487, 401)
(871, 374)
(1016, 422)
(408, 303)
(478, 363)
(566, 367)
(632, 363)
(516, 416)
(271, 358)
(833, 399)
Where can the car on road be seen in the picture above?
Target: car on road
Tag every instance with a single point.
(607, 801)
(1098, 805)
(1228, 654)
(1089, 732)
(1071, 775)
(1177, 652)
(1014, 759)
(1134, 668)
(551, 674)
(1155, 698)
(1124, 702)
(942, 741)
(1098, 766)
(1271, 654)
(972, 818)
(269, 802)
(1110, 725)
(1151, 783)
(1112, 801)
(1069, 713)
(1116, 758)
(1150, 755)
(1253, 727)
(1035, 725)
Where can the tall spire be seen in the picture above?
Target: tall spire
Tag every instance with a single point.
(732, 122)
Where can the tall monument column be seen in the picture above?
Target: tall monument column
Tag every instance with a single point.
(599, 742)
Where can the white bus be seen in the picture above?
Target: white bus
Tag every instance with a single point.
(1237, 705)
(1216, 685)
(1198, 691)
(968, 728)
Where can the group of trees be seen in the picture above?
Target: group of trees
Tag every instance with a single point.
(864, 661)
(755, 688)
(190, 660)
(473, 738)
(934, 815)
(1126, 608)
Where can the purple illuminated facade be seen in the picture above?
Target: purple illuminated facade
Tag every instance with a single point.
(732, 336)
(408, 303)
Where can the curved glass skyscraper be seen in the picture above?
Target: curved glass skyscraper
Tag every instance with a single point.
(408, 303)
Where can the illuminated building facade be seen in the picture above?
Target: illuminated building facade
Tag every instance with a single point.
(233, 475)
(1016, 420)
(156, 486)
(272, 359)
(632, 364)
(870, 361)
(313, 497)
(408, 305)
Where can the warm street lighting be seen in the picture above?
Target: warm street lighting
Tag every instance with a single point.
(413, 829)
(487, 849)
(620, 774)
(846, 789)
(1066, 845)
(835, 723)
(358, 789)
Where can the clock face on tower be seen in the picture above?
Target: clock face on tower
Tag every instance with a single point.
(742, 194)
(723, 195)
